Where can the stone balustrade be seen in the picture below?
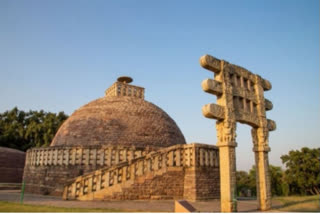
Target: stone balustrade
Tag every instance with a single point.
(184, 155)
(124, 89)
(99, 155)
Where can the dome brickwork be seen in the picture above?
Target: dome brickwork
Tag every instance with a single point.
(119, 120)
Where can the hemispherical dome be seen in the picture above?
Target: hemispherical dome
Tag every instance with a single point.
(120, 120)
(11, 165)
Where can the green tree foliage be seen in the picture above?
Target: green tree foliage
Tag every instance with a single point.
(303, 171)
(278, 185)
(23, 130)
(252, 180)
(247, 181)
(244, 184)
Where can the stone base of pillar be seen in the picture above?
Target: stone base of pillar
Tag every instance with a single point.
(228, 206)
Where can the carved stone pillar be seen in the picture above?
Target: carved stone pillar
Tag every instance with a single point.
(227, 156)
(263, 184)
(261, 148)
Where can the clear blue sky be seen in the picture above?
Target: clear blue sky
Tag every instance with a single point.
(59, 55)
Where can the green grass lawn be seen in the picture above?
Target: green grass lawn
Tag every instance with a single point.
(16, 207)
(288, 204)
(298, 204)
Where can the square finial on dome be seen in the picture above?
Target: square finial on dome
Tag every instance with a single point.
(122, 88)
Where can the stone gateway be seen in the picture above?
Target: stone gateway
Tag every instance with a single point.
(240, 98)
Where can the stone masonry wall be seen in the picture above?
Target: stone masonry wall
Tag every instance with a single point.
(202, 183)
(46, 180)
(169, 185)
(208, 183)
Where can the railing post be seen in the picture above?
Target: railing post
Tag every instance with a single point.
(87, 157)
(194, 155)
(80, 156)
(117, 156)
(67, 157)
(206, 156)
(94, 157)
(109, 163)
(187, 156)
(171, 160)
(73, 156)
(101, 154)
(156, 163)
(131, 155)
(90, 182)
(211, 158)
(98, 181)
(133, 171)
(107, 181)
(55, 158)
(149, 165)
(164, 161)
(201, 156)
(141, 167)
(124, 155)
(73, 190)
(178, 157)
(124, 174)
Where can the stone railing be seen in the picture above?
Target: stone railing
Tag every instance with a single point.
(185, 155)
(99, 155)
(124, 89)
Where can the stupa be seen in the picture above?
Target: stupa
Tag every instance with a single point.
(121, 146)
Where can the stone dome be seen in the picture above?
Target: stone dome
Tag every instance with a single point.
(124, 119)
(11, 165)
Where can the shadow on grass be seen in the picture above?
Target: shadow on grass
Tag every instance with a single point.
(304, 210)
(288, 203)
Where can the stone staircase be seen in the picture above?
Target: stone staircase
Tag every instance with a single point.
(124, 180)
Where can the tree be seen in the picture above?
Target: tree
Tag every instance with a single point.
(242, 182)
(23, 130)
(302, 171)
(276, 179)
(247, 181)
(252, 180)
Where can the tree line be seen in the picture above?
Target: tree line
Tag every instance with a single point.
(301, 176)
(23, 130)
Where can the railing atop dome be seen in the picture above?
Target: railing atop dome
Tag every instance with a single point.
(81, 155)
(122, 88)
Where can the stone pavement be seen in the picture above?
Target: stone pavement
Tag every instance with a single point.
(134, 206)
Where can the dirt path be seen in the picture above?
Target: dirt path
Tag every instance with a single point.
(142, 206)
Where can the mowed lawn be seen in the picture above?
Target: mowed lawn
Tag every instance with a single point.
(298, 204)
(288, 204)
(16, 207)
